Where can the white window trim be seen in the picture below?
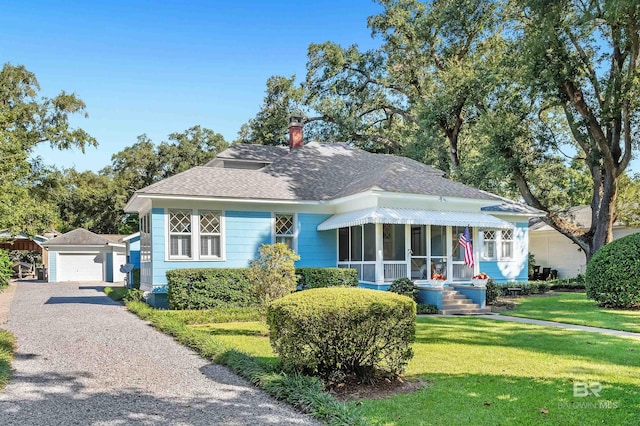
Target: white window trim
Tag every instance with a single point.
(498, 245)
(222, 237)
(294, 243)
(513, 243)
(191, 234)
(143, 253)
(195, 237)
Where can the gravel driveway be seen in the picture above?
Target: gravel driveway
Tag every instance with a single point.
(83, 359)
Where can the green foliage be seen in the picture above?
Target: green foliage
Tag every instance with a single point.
(270, 125)
(568, 284)
(134, 295)
(405, 287)
(305, 393)
(335, 331)
(426, 309)
(27, 120)
(493, 292)
(5, 269)
(116, 293)
(273, 274)
(526, 289)
(326, 277)
(532, 264)
(613, 274)
(209, 288)
(218, 315)
(7, 350)
(136, 278)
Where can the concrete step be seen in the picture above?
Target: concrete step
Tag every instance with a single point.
(454, 297)
(465, 306)
(477, 311)
(464, 301)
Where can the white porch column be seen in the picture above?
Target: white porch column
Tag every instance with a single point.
(407, 248)
(379, 255)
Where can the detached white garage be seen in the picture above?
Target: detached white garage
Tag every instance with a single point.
(81, 255)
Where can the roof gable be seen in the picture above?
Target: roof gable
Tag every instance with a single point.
(81, 237)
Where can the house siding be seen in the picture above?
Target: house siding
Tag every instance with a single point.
(244, 233)
(53, 266)
(316, 248)
(134, 252)
(503, 271)
(553, 250)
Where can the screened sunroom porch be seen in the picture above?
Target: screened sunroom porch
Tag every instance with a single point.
(383, 251)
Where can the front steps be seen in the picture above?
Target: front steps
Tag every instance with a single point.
(454, 303)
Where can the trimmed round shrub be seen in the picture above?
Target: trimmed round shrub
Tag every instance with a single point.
(338, 331)
(405, 287)
(613, 274)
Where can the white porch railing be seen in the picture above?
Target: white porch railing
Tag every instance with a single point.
(462, 272)
(366, 270)
(393, 270)
(146, 279)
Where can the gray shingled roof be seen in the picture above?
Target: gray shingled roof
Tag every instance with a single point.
(81, 237)
(511, 207)
(317, 171)
(265, 153)
(578, 215)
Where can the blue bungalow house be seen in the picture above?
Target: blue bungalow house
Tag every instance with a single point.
(336, 206)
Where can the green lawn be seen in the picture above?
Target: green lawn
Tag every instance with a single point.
(575, 308)
(485, 372)
(116, 293)
(7, 347)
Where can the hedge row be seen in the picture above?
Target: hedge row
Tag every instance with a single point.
(205, 288)
(326, 277)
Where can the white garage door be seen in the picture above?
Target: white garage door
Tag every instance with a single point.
(79, 267)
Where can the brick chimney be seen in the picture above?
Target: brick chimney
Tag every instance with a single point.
(296, 139)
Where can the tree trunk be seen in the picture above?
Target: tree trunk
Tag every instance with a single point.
(604, 213)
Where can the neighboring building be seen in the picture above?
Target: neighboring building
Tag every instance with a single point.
(132, 243)
(81, 255)
(335, 205)
(553, 250)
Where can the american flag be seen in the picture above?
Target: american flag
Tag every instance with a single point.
(465, 242)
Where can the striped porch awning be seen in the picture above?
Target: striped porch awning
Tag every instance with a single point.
(412, 217)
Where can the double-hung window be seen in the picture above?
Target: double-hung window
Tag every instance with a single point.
(210, 234)
(489, 244)
(506, 244)
(497, 244)
(180, 234)
(285, 229)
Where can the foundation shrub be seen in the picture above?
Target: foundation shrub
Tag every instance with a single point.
(335, 332)
(326, 277)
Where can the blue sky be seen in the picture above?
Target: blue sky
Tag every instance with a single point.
(159, 67)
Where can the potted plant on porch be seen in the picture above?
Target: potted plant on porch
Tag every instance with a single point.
(480, 280)
(438, 280)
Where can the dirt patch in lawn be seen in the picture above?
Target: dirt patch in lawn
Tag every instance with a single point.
(353, 390)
